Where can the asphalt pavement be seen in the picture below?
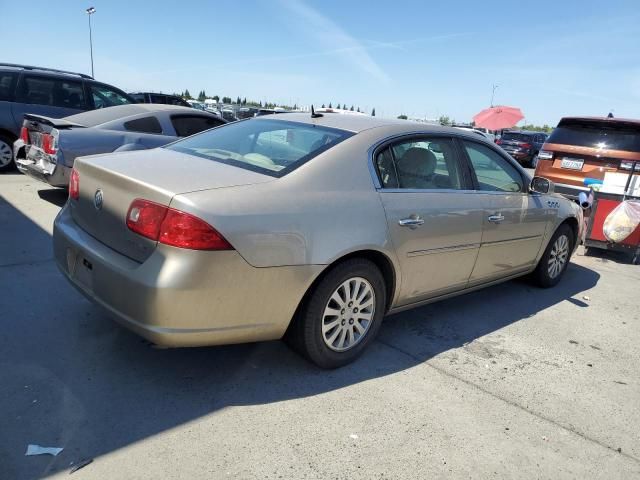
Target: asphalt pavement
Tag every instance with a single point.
(508, 382)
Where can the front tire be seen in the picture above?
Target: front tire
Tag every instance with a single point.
(341, 316)
(6, 153)
(555, 258)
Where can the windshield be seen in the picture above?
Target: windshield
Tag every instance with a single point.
(597, 135)
(273, 147)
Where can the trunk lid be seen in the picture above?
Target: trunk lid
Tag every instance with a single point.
(110, 183)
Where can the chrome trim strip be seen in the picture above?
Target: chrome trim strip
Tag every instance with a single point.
(431, 251)
(513, 240)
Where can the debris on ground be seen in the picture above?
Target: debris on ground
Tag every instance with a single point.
(620, 383)
(573, 342)
(38, 450)
(586, 297)
(353, 436)
(595, 347)
(80, 464)
(589, 364)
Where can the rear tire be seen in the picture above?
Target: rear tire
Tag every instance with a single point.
(555, 259)
(341, 315)
(6, 153)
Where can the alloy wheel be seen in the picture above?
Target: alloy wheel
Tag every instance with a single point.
(348, 314)
(558, 256)
(6, 154)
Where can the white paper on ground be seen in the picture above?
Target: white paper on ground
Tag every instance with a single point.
(38, 450)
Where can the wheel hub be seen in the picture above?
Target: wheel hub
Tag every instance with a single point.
(348, 314)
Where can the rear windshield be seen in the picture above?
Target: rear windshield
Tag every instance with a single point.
(597, 135)
(272, 147)
(519, 137)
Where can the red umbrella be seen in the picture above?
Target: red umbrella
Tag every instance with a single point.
(497, 118)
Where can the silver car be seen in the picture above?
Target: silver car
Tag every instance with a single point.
(308, 227)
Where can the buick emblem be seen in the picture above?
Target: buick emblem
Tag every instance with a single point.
(97, 200)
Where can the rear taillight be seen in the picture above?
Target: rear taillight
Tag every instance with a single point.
(24, 135)
(545, 155)
(74, 185)
(498, 141)
(50, 142)
(173, 227)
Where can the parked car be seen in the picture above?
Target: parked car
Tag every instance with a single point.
(229, 115)
(197, 105)
(48, 147)
(163, 98)
(522, 145)
(312, 228)
(49, 92)
(588, 147)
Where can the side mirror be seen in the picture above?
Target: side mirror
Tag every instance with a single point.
(541, 185)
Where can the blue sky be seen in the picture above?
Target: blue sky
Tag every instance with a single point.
(424, 59)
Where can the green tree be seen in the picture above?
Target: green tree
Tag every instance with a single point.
(330, 105)
(186, 94)
(323, 106)
(352, 108)
(244, 101)
(444, 120)
(373, 112)
(260, 104)
(238, 101)
(201, 96)
(403, 117)
(358, 110)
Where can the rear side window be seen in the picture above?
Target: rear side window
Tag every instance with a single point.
(187, 125)
(608, 135)
(7, 85)
(144, 125)
(158, 98)
(54, 92)
(138, 97)
(105, 96)
(272, 147)
(177, 101)
(494, 173)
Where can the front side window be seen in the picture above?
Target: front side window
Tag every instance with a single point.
(144, 125)
(158, 98)
(187, 125)
(494, 173)
(105, 96)
(425, 164)
(272, 147)
(53, 92)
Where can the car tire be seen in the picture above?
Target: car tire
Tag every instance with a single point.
(6, 153)
(324, 319)
(555, 259)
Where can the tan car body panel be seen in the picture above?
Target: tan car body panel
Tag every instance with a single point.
(285, 232)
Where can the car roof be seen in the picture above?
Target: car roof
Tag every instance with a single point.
(103, 115)
(600, 119)
(153, 93)
(49, 72)
(526, 132)
(359, 123)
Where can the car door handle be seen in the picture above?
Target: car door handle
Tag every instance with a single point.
(496, 218)
(413, 222)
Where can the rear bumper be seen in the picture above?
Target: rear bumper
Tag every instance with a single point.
(54, 174)
(180, 297)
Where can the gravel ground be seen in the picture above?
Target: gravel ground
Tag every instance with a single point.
(508, 382)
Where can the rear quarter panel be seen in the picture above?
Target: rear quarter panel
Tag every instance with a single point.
(322, 211)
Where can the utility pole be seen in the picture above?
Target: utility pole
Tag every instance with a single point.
(493, 93)
(91, 11)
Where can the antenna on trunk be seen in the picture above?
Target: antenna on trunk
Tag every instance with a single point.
(314, 114)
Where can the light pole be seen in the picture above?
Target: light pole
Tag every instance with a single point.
(91, 11)
(493, 92)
